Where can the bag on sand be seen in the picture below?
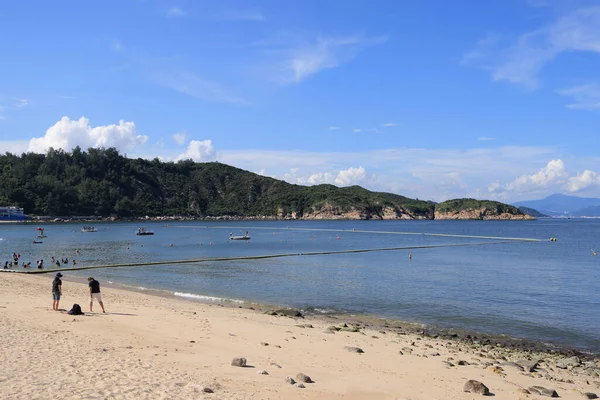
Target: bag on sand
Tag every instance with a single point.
(76, 310)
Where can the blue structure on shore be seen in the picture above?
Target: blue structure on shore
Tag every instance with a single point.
(12, 214)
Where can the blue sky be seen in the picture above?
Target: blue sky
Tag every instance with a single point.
(434, 99)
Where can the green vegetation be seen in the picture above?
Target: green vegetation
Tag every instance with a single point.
(101, 182)
(533, 212)
(466, 204)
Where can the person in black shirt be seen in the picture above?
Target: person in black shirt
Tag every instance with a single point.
(95, 293)
(56, 291)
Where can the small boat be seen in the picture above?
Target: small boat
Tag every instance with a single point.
(245, 237)
(89, 229)
(144, 232)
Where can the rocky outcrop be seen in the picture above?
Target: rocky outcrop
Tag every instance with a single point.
(329, 211)
(481, 214)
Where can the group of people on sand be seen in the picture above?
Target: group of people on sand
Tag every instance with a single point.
(93, 285)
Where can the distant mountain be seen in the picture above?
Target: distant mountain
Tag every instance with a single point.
(558, 205)
(532, 212)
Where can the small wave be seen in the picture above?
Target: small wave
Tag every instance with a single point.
(206, 298)
(323, 310)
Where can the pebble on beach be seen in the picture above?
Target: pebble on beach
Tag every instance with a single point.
(542, 391)
(304, 378)
(474, 386)
(238, 362)
(354, 349)
(289, 380)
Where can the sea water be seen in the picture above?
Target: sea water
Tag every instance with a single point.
(545, 291)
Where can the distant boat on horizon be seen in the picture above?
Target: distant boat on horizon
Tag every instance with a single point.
(245, 237)
(89, 229)
(144, 232)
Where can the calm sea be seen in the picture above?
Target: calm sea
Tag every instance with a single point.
(545, 291)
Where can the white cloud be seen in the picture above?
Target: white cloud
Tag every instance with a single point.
(553, 178)
(199, 151)
(521, 61)
(587, 97)
(347, 177)
(22, 103)
(334, 128)
(195, 86)
(13, 146)
(583, 180)
(67, 134)
(389, 124)
(175, 12)
(485, 138)
(308, 58)
(180, 137)
(553, 174)
(356, 130)
(351, 176)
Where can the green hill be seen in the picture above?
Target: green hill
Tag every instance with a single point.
(477, 209)
(102, 182)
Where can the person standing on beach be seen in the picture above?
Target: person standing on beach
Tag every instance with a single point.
(95, 293)
(56, 291)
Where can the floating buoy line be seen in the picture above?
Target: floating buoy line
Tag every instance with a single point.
(362, 231)
(242, 258)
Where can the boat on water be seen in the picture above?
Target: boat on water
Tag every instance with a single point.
(144, 232)
(89, 229)
(245, 237)
(12, 213)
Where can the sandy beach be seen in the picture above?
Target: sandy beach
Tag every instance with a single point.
(150, 347)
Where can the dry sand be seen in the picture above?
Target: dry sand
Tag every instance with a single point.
(150, 347)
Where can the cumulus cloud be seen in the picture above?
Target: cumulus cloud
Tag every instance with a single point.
(554, 173)
(552, 178)
(351, 176)
(199, 151)
(179, 137)
(67, 134)
(583, 180)
(347, 177)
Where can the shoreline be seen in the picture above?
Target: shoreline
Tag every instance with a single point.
(465, 335)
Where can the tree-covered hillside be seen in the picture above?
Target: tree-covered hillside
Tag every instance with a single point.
(102, 182)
